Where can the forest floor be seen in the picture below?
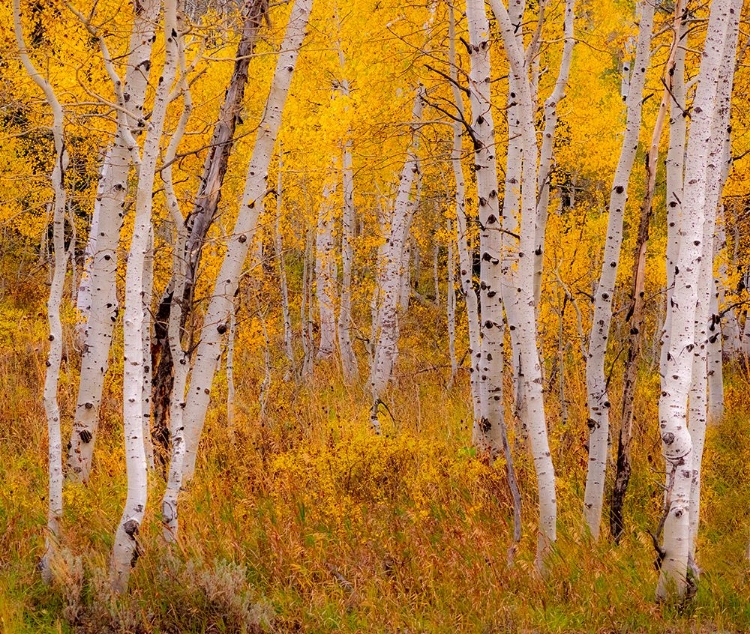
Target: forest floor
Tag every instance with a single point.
(307, 522)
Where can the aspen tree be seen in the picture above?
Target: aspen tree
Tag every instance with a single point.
(215, 323)
(717, 172)
(279, 249)
(596, 383)
(544, 177)
(349, 364)
(54, 356)
(676, 439)
(391, 277)
(637, 300)
(125, 550)
(464, 254)
(205, 204)
(325, 274)
(450, 305)
(529, 354)
(490, 427)
(99, 283)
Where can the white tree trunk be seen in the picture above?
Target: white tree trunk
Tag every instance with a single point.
(490, 426)
(101, 310)
(279, 248)
(677, 442)
(465, 262)
(348, 358)
(54, 356)
(596, 383)
(125, 551)
(391, 278)
(148, 294)
(530, 362)
(547, 148)
(208, 351)
(325, 276)
(450, 305)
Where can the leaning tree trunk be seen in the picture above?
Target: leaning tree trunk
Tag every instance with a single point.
(201, 217)
(677, 443)
(97, 296)
(386, 331)
(215, 323)
(596, 383)
(125, 551)
(54, 357)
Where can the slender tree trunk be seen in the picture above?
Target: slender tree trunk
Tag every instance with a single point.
(450, 306)
(208, 351)
(325, 277)
(637, 299)
(278, 246)
(677, 442)
(348, 358)
(464, 253)
(100, 308)
(126, 548)
(204, 210)
(54, 356)
(547, 148)
(386, 347)
(596, 383)
(534, 416)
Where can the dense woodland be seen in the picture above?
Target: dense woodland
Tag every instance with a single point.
(322, 315)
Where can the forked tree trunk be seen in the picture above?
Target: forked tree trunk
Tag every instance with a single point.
(596, 383)
(215, 323)
(126, 549)
(54, 356)
(201, 217)
(534, 415)
(97, 297)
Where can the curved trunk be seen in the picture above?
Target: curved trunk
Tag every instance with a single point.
(54, 356)
(215, 322)
(100, 274)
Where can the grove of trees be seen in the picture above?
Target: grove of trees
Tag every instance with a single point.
(536, 208)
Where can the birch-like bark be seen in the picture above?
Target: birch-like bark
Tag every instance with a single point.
(208, 351)
(204, 209)
(279, 248)
(54, 356)
(391, 278)
(125, 551)
(548, 143)
(489, 428)
(450, 306)
(101, 311)
(596, 383)
(675, 167)
(148, 294)
(677, 442)
(464, 254)
(718, 172)
(306, 308)
(637, 295)
(325, 276)
(349, 363)
(175, 320)
(534, 415)
(348, 358)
